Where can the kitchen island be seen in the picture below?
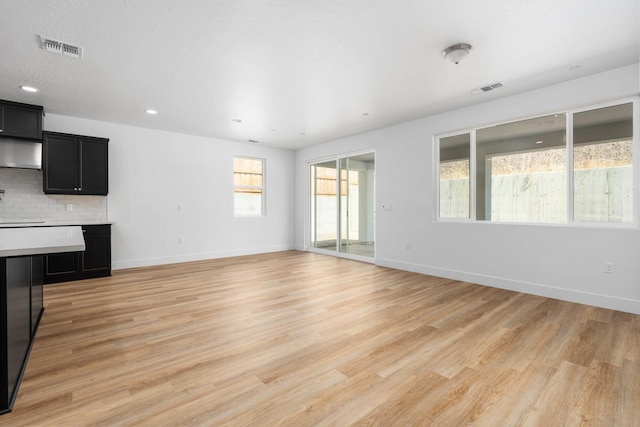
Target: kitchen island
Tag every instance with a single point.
(93, 262)
(21, 304)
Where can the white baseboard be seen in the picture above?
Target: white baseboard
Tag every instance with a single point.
(173, 259)
(588, 298)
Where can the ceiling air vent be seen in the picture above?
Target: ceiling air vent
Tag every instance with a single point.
(486, 88)
(61, 48)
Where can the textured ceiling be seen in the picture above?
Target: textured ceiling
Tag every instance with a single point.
(299, 73)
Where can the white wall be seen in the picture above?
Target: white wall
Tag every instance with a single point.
(556, 261)
(152, 172)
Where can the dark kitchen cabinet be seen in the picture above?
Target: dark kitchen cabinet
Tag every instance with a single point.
(21, 309)
(20, 120)
(94, 261)
(74, 164)
(61, 267)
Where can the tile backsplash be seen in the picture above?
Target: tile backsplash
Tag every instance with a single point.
(23, 199)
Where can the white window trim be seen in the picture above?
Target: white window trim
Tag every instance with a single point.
(472, 177)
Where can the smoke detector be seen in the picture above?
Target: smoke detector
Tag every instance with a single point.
(61, 48)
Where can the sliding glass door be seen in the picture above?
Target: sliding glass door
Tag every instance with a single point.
(324, 205)
(342, 205)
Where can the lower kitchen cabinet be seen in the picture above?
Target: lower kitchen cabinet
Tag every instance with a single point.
(61, 267)
(94, 261)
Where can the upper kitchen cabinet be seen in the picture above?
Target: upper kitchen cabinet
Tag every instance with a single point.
(20, 120)
(75, 164)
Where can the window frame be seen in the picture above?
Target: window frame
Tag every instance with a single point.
(262, 188)
(570, 221)
(472, 175)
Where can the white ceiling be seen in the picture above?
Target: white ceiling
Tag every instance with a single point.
(300, 72)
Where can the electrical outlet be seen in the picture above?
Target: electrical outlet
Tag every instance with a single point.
(180, 207)
(609, 267)
(69, 207)
(407, 246)
(180, 240)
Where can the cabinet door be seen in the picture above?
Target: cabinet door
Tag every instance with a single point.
(95, 261)
(60, 267)
(60, 164)
(97, 255)
(93, 166)
(21, 122)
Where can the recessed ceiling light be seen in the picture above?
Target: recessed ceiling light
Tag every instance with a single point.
(236, 120)
(28, 88)
(253, 141)
(303, 134)
(539, 142)
(151, 111)
(575, 68)
(273, 130)
(365, 114)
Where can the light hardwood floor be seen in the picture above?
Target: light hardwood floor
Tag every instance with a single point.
(299, 339)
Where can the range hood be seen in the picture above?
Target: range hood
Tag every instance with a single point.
(17, 153)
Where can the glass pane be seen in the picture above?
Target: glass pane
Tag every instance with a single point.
(357, 205)
(248, 182)
(324, 206)
(454, 176)
(247, 172)
(248, 203)
(521, 171)
(603, 164)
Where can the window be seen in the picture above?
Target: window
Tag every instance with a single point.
(248, 180)
(536, 171)
(521, 171)
(454, 176)
(603, 164)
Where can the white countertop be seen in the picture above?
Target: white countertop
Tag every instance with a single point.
(40, 240)
(6, 223)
